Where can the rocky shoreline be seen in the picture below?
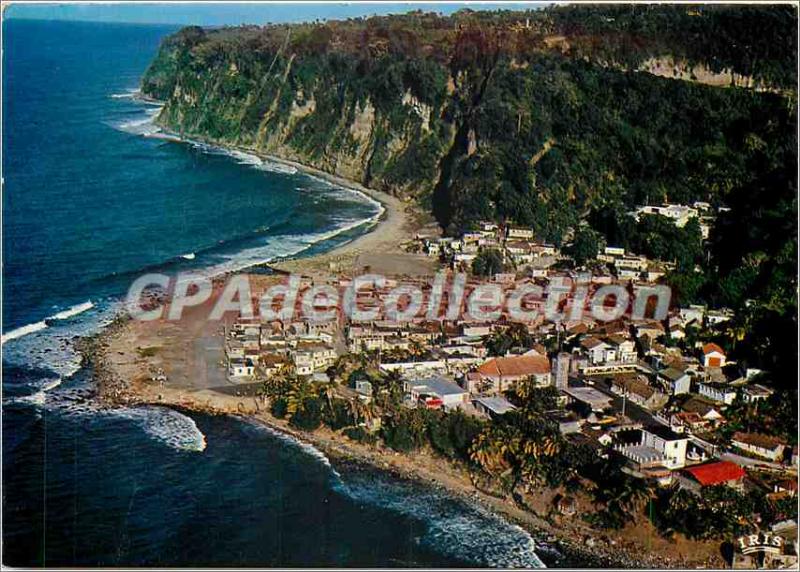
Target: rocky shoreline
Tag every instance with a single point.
(573, 544)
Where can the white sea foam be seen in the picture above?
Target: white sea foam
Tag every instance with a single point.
(275, 167)
(307, 448)
(72, 311)
(245, 158)
(127, 94)
(51, 346)
(189, 256)
(41, 325)
(277, 247)
(144, 124)
(467, 532)
(166, 426)
(23, 331)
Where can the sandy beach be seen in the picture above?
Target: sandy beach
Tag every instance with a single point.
(129, 358)
(379, 249)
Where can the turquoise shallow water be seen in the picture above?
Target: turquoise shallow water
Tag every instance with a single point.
(93, 197)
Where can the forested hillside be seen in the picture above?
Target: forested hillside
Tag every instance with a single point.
(485, 116)
(543, 118)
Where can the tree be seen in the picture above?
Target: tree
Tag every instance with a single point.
(308, 416)
(503, 340)
(585, 245)
(488, 262)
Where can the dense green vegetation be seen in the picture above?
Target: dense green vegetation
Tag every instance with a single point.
(488, 261)
(476, 110)
(537, 118)
(720, 513)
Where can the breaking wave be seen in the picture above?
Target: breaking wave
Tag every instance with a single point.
(41, 325)
(467, 532)
(166, 425)
(306, 448)
(275, 167)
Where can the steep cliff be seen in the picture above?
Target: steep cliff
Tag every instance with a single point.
(516, 116)
(379, 122)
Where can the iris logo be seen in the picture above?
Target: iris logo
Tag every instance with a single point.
(761, 542)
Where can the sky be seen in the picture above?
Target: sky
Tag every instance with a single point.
(226, 13)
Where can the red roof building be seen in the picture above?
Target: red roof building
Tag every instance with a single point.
(711, 474)
(505, 371)
(713, 355)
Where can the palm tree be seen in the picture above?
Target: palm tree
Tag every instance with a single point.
(360, 412)
(297, 395)
(489, 450)
(326, 392)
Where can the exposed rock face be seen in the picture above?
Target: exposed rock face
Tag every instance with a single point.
(521, 117)
(309, 108)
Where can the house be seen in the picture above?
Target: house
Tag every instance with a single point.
(614, 251)
(758, 444)
(364, 389)
(677, 332)
(637, 390)
(271, 364)
(433, 389)
(475, 329)
(588, 396)
(679, 214)
(493, 406)
(656, 446)
(519, 232)
(714, 317)
(240, 367)
(684, 421)
(708, 411)
(675, 380)
(625, 349)
(567, 422)
(756, 392)
(720, 392)
(598, 351)
(786, 487)
(712, 474)
(713, 355)
(313, 356)
(693, 313)
(651, 329)
(503, 372)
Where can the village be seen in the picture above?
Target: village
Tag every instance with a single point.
(660, 395)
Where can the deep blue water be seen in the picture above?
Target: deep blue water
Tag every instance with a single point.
(93, 196)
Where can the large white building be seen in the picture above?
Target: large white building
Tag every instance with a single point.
(657, 446)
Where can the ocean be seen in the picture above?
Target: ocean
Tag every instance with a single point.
(93, 196)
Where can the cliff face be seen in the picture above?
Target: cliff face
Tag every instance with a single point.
(379, 126)
(479, 115)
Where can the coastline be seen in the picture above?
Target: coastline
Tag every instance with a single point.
(122, 379)
(389, 228)
(579, 544)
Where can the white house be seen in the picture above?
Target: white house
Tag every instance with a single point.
(719, 392)
(765, 446)
(657, 446)
(675, 380)
(240, 367)
(625, 349)
(756, 392)
(519, 232)
(450, 394)
(598, 351)
(693, 313)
